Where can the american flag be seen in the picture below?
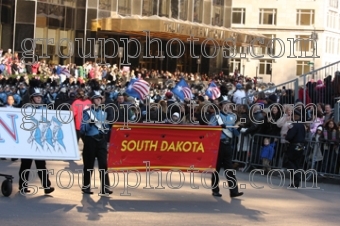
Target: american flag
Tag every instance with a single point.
(213, 92)
(138, 88)
(182, 90)
(66, 72)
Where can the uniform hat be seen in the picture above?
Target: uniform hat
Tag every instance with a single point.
(223, 100)
(35, 92)
(320, 128)
(96, 94)
(176, 114)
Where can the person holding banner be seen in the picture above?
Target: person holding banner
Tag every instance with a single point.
(24, 171)
(94, 132)
(10, 103)
(226, 119)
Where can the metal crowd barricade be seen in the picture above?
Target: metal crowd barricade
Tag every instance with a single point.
(256, 144)
(317, 94)
(289, 85)
(241, 147)
(323, 157)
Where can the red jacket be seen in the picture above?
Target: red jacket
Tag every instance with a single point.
(77, 107)
(308, 100)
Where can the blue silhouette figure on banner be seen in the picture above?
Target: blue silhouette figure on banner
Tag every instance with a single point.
(36, 137)
(47, 137)
(58, 136)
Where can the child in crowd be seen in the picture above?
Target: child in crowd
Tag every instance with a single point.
(267, 154)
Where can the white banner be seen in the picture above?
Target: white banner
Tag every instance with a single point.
(44, 134)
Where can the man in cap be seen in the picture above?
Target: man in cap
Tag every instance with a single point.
(296, 136)
(239, 94)
(225, 118)
(35, 100)
(94, 131)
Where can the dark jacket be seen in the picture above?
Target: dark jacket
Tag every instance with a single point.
(257, 125)
(296, 134)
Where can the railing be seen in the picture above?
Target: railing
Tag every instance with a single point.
(320, 94)
(290, 85)
(321, 90)
(321, 157)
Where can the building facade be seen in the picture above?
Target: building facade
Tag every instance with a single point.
(286, 20)
(67, 24)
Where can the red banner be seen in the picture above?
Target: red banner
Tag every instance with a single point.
(165, 147)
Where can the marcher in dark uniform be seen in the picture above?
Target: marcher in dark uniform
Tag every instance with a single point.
(225, 152)
(296, 136)
(95, 144)
(36, 98)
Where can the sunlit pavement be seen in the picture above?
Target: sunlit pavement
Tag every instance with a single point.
(184, 206)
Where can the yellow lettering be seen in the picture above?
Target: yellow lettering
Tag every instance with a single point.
(133, 147)
(172, 147)
(150, 145)
(147, 145)
(186, 144)
(140, 145)
(124, 145)
(200, 148)
(164, 145)
(195, 145)
(179, 146)
(153, 145)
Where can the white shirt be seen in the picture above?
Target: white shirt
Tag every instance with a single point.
(238, 96)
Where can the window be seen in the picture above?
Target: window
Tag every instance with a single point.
(333, 3)
(265, 67)
(149, 7)
(332, 17)
(198, 11)
(174, 9)
(235, 64)
(105, 5)
(124, 7)
(268, 16)
(303, 43)
(267, 50)
(217, 13)
(305, 17)
(302, 67)
(183, 7)
(239, 16)
(104, 10)
(164, 6)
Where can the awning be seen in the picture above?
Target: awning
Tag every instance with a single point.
(165, 28)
